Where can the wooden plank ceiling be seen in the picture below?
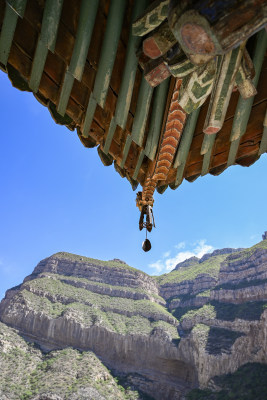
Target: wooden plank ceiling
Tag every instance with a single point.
(78, 57)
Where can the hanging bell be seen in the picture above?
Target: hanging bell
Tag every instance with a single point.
(146, 245)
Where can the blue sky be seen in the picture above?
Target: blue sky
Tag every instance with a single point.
(56, 195)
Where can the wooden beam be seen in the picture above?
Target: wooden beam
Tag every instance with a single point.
(181, 66)
(158, 109)
(152, 17)
(140, 118)
(106, 62)
(159, 104)
(128, 79)
(244, 84)
(75, 70)
(47, 41)
(244, 106)
(14, 10)
(263, 145)
(159, 41)
(209, 28)
(186, 139)
(227, 67)
(197, 87)
(156, 71)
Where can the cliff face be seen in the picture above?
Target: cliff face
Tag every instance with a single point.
(164, 335)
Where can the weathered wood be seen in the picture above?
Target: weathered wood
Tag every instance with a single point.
(156, 71)
(181, 66)
(152, 17)
(156, 122)
(197, 87)
(210, 28)
(159, 41)
(194, 34)
(106, 159)
(154, 127)
(263, 145)
(139, 163)
(173, 131)
(159, 170)
(186, 139)
(227, 67)
(244, 105)
(83, 37)
(127, 84)
(47, 41)
(244, 84)
(9, 25)
(106, 62)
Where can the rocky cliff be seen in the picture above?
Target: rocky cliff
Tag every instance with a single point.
(160, 336)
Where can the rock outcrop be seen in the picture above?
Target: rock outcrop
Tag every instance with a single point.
(162, 336)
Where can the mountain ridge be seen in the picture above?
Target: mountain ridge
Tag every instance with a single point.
(154, 332)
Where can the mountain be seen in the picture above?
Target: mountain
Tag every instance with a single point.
(80, 328)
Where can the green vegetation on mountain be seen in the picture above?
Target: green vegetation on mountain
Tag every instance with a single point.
(205, 312)
(210, 267)
(26, 372)
(124, 316)
(110, 264)
(100, 286)
(62, 292)
(249, 382)
(241, 285)
(206, 293)
(246, 253)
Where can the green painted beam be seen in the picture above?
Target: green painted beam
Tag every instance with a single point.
(244, 106)
(47, 40)
(233, 152)
(226, 69)
(107, 59)
(109, 50)
(131, 63)
(206, 162)
(156, 13)
(208, 141)
(207, 155)
(140, 118)
(75, 70)
(126, 149)
(111, 131)
(89, 115)
(38, 66)
(18, 6)
(159, 104)
(141, 113)
(13, 10)
(128, 79)
(138, 165)
(263, 145)
(184, 147)
(179, 177)
(186, 139)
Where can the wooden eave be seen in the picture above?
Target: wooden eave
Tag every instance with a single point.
(134, 162)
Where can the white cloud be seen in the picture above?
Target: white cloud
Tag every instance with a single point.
(202, 248)
(181, 256)
(169, 263)
(158, 266)
(180, 245)
(166, 254)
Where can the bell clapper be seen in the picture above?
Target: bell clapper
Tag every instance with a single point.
(146, 245)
